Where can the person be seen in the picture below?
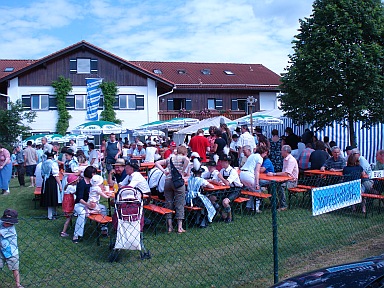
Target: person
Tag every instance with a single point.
(246, 139)
(130, 151)
(307, 137)
(200, 145)
(336, 162)
(14, 163)
(219, 144)
(112, 152)
(379, 165)
(212, 174)
(134, 178)
(174, 197)
(5, 170)
(194, 197)
(234, 150)
(151, 154)
(40, 153)
(275, 151)
(118, 172)
(81, 205)
(169, 149)
(304, 163)
(38, 176)
(354, 171)
(250, 173)
(85, 149)
(46, 146)
(226, 134)
(291, 169)
(71, 165)
(103, 146)
(211, 139)
(93, 156)
(30, 160)
(327, 145)
(140, 150)
(9, 248)
(69, 202)
(291, 139)
(51, 189)
(319, 156)
(229, 177)
(95, 192)
(73, 145)
(124, 151)
(20, 165)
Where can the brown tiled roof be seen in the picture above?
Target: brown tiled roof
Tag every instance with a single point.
(189, 75)
(16, 64)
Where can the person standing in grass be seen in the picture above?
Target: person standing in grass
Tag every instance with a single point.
(9, 251)
(30, 160)
(69, 201)
(5, 170)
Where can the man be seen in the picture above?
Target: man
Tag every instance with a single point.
(30, 160)
(130, 151)
(73, 145)
(319, 156)
(93, 156)
(200, 145)
(290, 169)
(151, 153)
(233, 150)
(46, 146)
(379, 165)
(140, 150)
(112, 151)
(304, 156)
(246, 139)
(292, 139)
(169, 148)
(336, 162)
(134, 178)
(118, 172)
(20, 166)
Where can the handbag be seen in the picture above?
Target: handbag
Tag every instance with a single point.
(177, 179)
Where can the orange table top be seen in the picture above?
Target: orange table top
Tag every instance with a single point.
(149, 165)
(217, 188)
(277, 178)
(326, 172)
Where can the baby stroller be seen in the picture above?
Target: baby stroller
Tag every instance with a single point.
(128, 222)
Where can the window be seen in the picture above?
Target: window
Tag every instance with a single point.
(239, 104)
(80, 102)
(181, 71)
(179, 103)
(229, 72)
(215, 104)
(157, 71)
(83, 66)
(39, 102)
(9, 69)
(131, 101)
(206, 71)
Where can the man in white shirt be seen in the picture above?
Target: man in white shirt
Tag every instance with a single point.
(134, 178)
(246, 139)
(151, 153)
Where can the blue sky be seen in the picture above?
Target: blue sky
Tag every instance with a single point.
(237, 31)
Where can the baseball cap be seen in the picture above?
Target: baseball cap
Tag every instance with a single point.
(10, 216)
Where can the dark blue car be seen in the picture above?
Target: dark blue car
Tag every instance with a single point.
(368, 273)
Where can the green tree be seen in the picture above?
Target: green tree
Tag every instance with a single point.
(109, 90)
(62, 87)
(336, 71)
(13, 123)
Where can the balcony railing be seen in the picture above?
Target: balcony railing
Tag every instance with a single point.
(204, 114)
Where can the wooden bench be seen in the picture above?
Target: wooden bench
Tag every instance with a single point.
(157, 209)
(157, 199)
(373, 197)
(189, 210)
(297, 190)
(100, 220)
(37, 195)
(257, 195)
(240, 201)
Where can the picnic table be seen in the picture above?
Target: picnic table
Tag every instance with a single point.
(325, 172)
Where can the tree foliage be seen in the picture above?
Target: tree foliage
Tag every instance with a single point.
(109, 90)
(62, 87)
(336, 71)
(13, 123)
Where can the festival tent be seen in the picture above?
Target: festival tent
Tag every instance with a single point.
(179, 136)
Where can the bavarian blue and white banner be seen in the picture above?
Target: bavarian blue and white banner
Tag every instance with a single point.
(93, 97)
(333, 197)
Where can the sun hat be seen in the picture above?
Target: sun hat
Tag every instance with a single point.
(70, 151)
(134, 164)
(72, 178)
(96, 180)
(119, 162)
(140, 143)
(10, 216)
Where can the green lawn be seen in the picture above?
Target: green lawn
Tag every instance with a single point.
(223, 255)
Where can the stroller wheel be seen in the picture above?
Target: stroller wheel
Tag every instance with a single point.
(114, 256)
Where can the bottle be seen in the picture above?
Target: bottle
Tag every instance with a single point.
(115, 187)
(105, 180)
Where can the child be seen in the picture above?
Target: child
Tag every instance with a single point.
(8, 238)
(94, 194)
(69, 201)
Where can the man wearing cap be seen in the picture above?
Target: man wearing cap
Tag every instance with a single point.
(140, 150)
(151, 153)
(134, 178)
(118, 172)
(112, 151)
(200, 145)
(9, 251)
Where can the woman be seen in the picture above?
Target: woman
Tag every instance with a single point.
(226, 133)
(174, 197)
(353, 171)
(275, 151)
(81, 205)
(5, 170)
(51, 190)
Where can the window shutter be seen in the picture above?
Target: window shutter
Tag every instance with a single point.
(169, 104)
(101, 103)
(139, 102)
(73, 66)
(52, 102)
(234, 105)
(70, 99)
(188, 104)
(219, 104)
(26, 101)
(93, 66)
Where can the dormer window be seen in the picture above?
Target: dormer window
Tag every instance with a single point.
(157, 71)
(206, 71)
(181, 71)
(9, 69)
(229, 72)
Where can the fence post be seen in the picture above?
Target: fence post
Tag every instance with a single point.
(274, 230)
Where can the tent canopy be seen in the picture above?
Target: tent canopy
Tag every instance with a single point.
(97, 128)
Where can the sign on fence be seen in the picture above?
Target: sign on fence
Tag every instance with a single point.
(333, 197)
(376, 174)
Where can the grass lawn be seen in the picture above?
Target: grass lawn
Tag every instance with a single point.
(223, 255)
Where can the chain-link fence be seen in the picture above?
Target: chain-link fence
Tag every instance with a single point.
(252, 251)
